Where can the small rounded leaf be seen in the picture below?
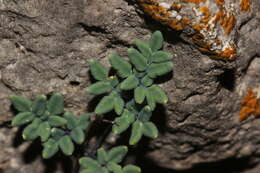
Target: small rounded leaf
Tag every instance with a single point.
(139, 94)
(124, 68)
(120, 125)
(144, 48)
(137, 59)
(56, 104)
(30, 132)
(21, 104)
(56, 121)
(159, 69)
(115, 168)
(131, 169)
(84, 121)
(105, 105)
(100, 87)
(161, 56)
(22, 118)
(88, 163)
(150, 99)
(102, 156)
(145, 114)
(136, 133)
(129, 83)
(117, 154)
(158, 94)
(146, 81)
(50, 148)
(44, 131)
(77, 135)
(39, 105)
(66, 145)
(150, 130)
(156, 41)
(57, 133)
(119, 105)
(98, 71)
(72, 121)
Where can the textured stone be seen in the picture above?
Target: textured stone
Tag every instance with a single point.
(44, 47)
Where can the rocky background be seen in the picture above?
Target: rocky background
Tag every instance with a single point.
(44, 48)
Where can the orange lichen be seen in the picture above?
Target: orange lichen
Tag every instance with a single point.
(228, 24)
(220, 2)
(194, 1)
(205, 11)
(250, 105)
(229, 53)
(245, 5)
(176, 6)
(226, 20)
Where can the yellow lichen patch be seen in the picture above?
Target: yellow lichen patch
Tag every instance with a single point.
(245, 5)
(250, 105)
(220, 2)
(194, 1)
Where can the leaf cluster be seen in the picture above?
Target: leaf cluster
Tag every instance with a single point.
(130, 93)
(107, 161)
(137, 74)
(46, 119)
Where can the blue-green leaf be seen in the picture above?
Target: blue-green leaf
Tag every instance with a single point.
(102, 156)
(144, 48)
(136, 133)
(39, 105)
(56, 121)
(84, 121)
(150, 130)
(98, 71)
(100, 87)
(30, 132)
(66, 145)
(50, 148)
(22, 118)
(156, 41)
(44, 131)
(105, 105)
(161, 56)
(139, 94)
(137, 59)
(131, 169)
(129, 83)
(88, 163)
(159, 69)
(145, 114)
(158, 94)
(117, 154)
(77, 135)
(72, 121)
(21, 104)
(124, 68)
(115, 168)
(146, 81)
(119, 105)
(56, 104)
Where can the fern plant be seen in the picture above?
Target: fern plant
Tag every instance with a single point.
(130, 93)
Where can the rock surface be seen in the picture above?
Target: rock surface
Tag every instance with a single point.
(44, 46)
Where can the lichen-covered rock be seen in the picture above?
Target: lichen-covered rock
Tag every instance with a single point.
(214, 22)
(44, 46)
